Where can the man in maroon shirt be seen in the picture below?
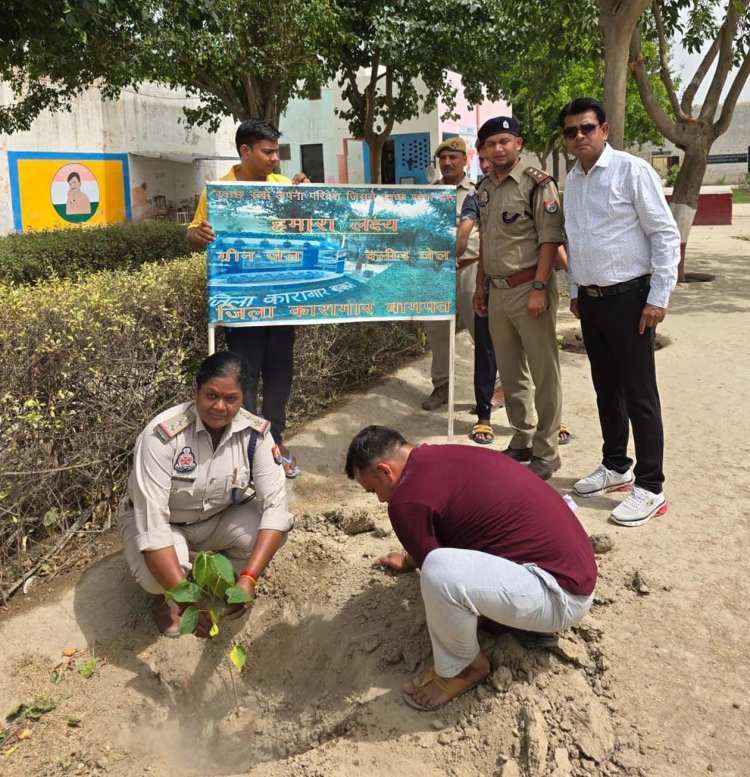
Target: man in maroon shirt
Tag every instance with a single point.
(490, 539)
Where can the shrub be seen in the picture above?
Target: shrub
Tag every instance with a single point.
(29, 257)
(87, 364)
(671, 176)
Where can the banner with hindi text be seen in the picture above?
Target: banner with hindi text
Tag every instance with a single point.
(318, 253)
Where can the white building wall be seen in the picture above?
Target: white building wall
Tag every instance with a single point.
(166, 158)
(311, 121)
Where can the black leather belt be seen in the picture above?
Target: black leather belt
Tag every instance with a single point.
(617, 288)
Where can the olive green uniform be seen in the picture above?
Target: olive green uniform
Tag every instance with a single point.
(513, 225)
(438, 332)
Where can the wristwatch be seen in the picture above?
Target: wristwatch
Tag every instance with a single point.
(538, 285)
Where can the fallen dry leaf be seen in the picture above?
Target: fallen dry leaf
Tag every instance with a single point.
(69, 651)
(25, 734)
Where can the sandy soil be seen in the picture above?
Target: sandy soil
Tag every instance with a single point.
(654, 682)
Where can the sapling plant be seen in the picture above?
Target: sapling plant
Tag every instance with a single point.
(210, 586)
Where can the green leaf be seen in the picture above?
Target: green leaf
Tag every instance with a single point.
(213, 631)
(222, 567)
(237, 595)
(50, 519)
(88, 667)
(238, 656)
(202, 568)
(184, 591)
(188, 620)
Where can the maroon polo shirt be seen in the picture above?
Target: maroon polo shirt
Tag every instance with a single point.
(456, 496)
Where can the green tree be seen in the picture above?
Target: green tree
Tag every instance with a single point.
(404, 50)
(51, 51)
(725, 26)
(241, 59)
(537, 107)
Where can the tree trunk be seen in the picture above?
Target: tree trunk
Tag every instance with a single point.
(375, 144)
(556, 164)
(687, 189)
(617, 21)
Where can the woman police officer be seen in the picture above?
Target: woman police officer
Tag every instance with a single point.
(188, 490)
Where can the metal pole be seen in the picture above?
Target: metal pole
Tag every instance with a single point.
(451, 375)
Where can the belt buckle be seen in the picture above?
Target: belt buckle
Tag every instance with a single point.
(594, 291)
(501, 283)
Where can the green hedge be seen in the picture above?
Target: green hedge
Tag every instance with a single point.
(87, 364)
(29, 257)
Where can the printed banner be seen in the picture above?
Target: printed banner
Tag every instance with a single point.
(314, 254)
(52, 190)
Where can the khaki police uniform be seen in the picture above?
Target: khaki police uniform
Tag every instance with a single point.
(438, 332)
(185, 494)
(511, 230)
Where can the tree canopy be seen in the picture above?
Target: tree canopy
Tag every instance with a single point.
(244, 59)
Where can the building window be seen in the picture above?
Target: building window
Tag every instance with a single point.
(312, 162)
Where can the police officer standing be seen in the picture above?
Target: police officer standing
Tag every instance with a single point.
(521, 224)
(451, 156)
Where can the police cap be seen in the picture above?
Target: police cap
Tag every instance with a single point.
(498, 126)
(452, 144)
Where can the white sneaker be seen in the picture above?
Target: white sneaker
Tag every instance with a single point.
(602, 480)
(638, 507)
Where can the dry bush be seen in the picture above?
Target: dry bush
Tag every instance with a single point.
(86, 365)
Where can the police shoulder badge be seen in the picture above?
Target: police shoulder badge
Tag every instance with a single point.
(167, 429)
(551, 206)
(185, 460)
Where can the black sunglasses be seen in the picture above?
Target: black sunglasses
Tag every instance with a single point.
(571, 133)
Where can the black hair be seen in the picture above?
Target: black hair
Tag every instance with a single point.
(479, 145)
(223, 364)
(74, 175)
(373, 442)
(253, 130)
(581, 105)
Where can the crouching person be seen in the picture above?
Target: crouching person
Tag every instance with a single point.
(490, 539)
(206, 475)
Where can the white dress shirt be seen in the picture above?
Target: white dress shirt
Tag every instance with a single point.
(619, 226)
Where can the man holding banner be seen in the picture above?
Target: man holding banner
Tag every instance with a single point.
(268, 350)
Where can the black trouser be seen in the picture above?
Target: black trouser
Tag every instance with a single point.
(623, 370)
(269, 353)
(485, 367)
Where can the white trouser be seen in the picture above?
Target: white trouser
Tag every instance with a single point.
(459, 585)
(232, 532)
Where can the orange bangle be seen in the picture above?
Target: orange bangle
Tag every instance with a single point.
(249, 575)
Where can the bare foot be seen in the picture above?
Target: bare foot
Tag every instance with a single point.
(430, 691)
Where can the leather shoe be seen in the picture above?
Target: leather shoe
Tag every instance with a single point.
(438, 398)
(545, 469)
(167, 617)
(518, 454)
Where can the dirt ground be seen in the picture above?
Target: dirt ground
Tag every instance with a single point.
(655, 682)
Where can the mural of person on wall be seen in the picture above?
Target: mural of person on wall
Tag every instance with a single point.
(75, 192)
(77, 204)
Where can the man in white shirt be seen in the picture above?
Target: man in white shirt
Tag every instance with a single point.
(624, 248)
